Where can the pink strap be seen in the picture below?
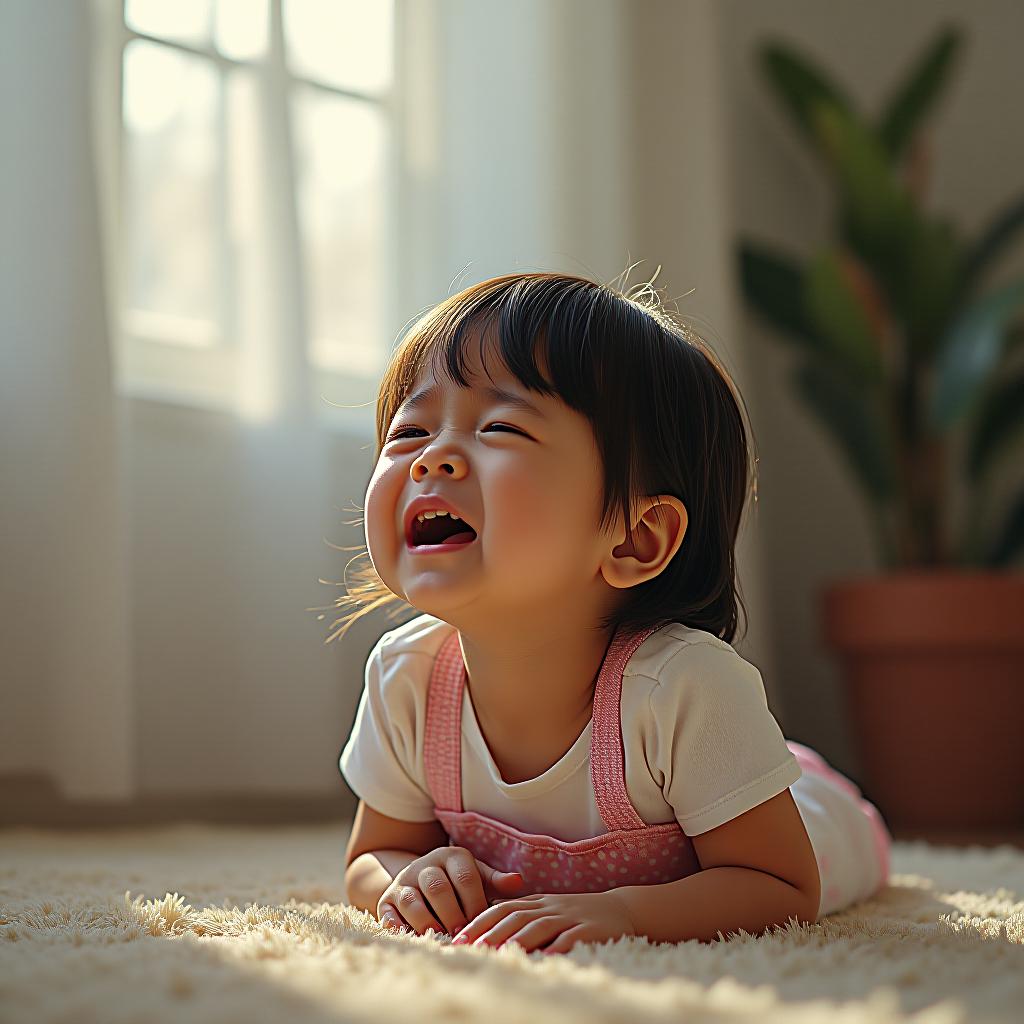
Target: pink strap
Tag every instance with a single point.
(442, 744)
(442, 753)
(607, 759)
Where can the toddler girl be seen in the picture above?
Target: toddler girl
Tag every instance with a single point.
(564, 746)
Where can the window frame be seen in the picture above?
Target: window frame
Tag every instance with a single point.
(160, 369)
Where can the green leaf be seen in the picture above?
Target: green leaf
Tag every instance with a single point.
(970, 351)
(918, 93)
(930, 281)
(840, 318)
(1011, 540)
(1003, 226)
(1014, 338)
(1000, 418)
(855, 422)
(800, 85)
(877, 218)
(916, 261)
(773, 284)
(872, 195)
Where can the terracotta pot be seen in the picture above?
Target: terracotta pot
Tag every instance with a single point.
(933, 667)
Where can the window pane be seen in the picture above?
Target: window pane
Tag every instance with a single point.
(240, 31)
(172, 188)
(340, 165)
(187, 21)
(346, 43)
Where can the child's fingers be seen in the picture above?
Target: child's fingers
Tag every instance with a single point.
(496, 883)
(437, 889)
(390, 918)
(470, 877)
(417, 916)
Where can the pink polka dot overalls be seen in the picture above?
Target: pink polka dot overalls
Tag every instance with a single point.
(850, 840)
(631, 853)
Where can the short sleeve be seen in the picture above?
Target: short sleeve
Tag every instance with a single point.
(379, 759)
(718, 746)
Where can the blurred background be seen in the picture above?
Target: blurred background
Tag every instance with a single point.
(219, 216)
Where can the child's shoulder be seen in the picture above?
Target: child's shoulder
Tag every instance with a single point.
(676, 650)
(399, 664)
(690, 675)
(418, 639)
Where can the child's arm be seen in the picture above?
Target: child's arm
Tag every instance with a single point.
(378, 848)
(371, 873)
(757, 870)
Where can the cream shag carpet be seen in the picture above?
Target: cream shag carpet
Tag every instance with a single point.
(200, 923)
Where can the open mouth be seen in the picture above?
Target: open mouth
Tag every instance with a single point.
(442, 531)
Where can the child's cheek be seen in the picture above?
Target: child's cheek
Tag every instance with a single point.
(381, 516)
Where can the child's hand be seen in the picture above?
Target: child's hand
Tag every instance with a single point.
(552, 921)
(440, 881)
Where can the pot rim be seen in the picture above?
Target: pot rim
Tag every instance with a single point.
(927, 611)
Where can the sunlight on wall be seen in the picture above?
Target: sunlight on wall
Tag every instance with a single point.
(346, 43)
(239, 27)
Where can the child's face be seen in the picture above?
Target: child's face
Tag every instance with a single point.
(533, 498)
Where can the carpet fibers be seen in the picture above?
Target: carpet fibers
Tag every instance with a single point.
(197, 923)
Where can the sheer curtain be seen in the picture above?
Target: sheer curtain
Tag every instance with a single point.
(67, 707)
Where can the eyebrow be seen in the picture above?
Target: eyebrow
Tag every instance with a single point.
(427, 395)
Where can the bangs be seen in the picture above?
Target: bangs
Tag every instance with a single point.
(531, 325)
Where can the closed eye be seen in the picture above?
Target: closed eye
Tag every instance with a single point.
(505, 426)
(404, 432)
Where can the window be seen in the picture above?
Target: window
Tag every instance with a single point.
(254, 187)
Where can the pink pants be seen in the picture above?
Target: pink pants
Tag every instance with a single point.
(850, 839)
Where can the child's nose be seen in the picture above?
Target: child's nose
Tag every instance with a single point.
(443, 461)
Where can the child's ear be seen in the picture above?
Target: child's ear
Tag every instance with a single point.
(658, 532)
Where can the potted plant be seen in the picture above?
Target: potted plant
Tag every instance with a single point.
(907, 359)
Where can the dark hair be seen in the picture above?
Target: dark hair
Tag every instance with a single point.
(666, 416)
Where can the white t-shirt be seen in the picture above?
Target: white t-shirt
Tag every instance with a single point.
(700, 744)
